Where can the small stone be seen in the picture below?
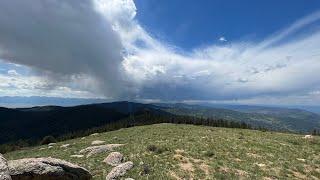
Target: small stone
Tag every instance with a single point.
(119, 170)
(260, 164)
(308, 137)
(65, 145)
(302, 160)
(114, 159)
(77, 156)
(94, 134)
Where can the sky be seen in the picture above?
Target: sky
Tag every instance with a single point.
(208, 20)
(248, 52)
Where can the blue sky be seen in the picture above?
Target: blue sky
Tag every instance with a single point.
(189, 24)
(249, 52)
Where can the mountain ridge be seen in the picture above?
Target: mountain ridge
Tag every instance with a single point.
(39, 121)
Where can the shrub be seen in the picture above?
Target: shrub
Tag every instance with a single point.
(4, 148)
(152, 148)
(47, 140)
(209, 153)
(155, 149)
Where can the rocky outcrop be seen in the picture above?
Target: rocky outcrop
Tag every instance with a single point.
(114, 159)
(119, 170)
(92, 150)
(4, 170)
(46, 169)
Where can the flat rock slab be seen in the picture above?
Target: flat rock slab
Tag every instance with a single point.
(114, 159)
(119, 170)
(46, 169)
(4, 169)
(97, 142)
(93, 150)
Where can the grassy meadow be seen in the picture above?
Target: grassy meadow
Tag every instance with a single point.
(169, 151)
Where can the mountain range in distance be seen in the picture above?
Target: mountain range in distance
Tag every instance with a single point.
(30, 101)
(39, 121)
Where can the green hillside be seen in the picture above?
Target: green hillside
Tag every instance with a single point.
(279, 119)
(167, 151)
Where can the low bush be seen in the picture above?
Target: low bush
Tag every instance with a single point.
(48, 139)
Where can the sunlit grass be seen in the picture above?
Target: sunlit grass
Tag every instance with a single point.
(167, 151)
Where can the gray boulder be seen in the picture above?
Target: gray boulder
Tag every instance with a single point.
(46, 169)
(93, 150)
(114, 159)
(4, 170)
(119, 170)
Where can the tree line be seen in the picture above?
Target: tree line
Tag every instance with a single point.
(141, 118)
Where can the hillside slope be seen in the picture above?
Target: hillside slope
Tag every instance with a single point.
(275, 118)
(36, 122)
(186, 151)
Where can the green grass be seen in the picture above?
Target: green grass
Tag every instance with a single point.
(166, 151)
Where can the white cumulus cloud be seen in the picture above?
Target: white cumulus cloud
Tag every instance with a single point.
(222, 39)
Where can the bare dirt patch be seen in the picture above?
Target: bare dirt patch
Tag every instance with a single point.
(187, 166)
(205, 168)
(185, 163)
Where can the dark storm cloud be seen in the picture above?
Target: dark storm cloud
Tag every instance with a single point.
(62, 37)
